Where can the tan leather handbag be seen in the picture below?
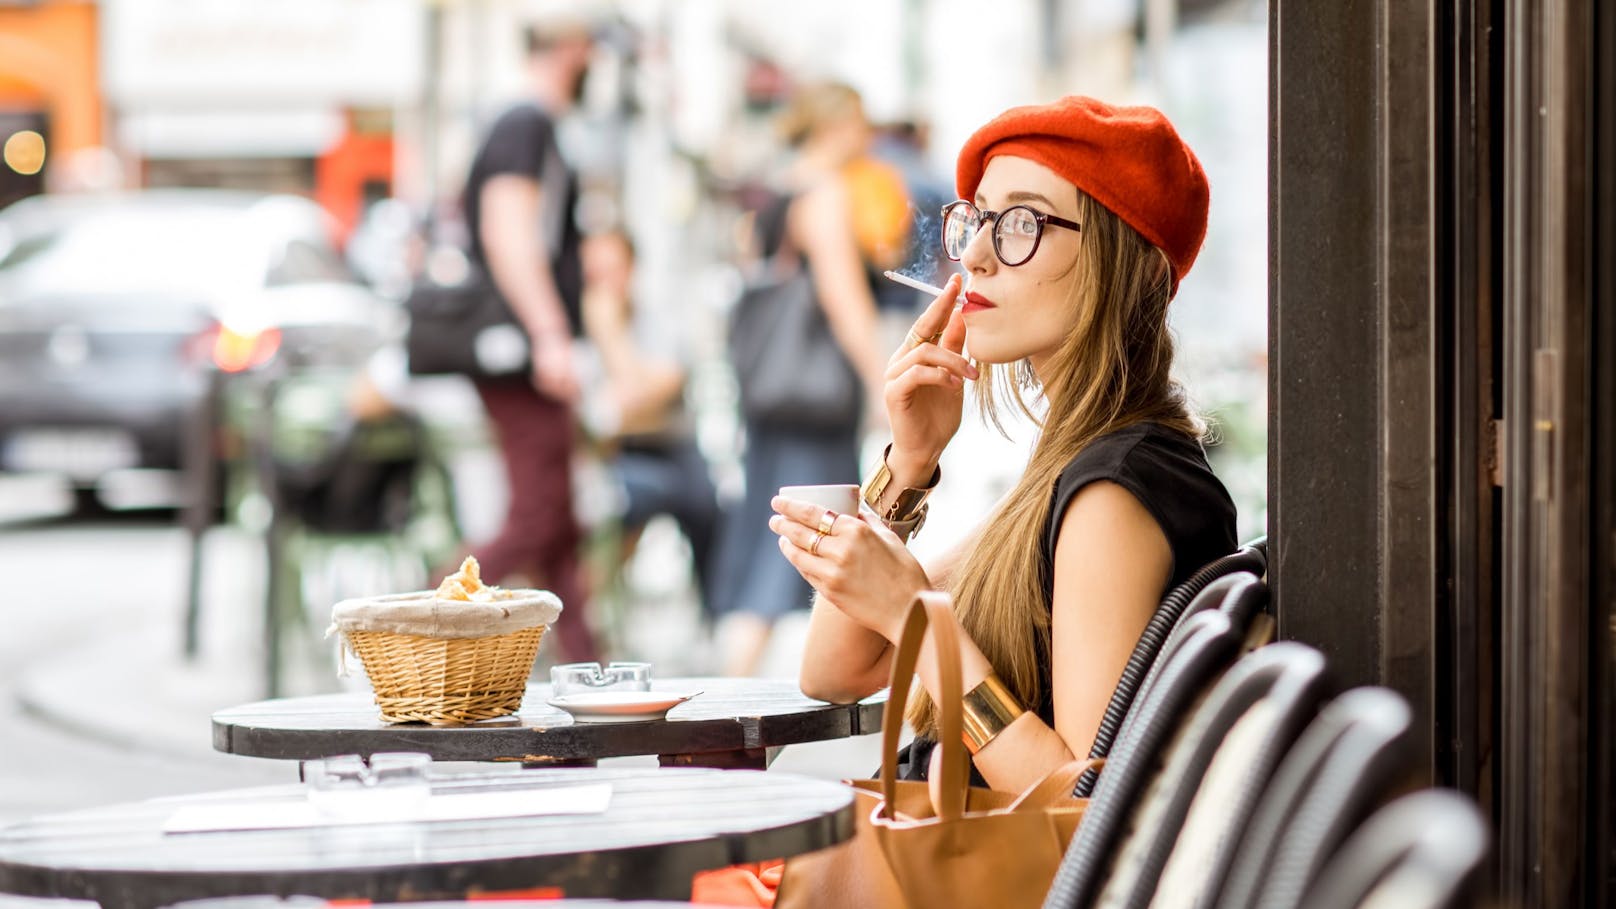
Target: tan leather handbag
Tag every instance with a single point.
(968, 846)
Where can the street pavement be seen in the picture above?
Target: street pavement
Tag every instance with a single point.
(94, 690)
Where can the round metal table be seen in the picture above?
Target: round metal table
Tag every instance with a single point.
(662, 825)
(734, 723)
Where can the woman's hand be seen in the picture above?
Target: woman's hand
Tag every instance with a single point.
(925, 387)
(859, 565)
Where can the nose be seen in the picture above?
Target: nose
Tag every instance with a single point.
(979, 257)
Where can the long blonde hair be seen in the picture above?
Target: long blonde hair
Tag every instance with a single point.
(1113, 370)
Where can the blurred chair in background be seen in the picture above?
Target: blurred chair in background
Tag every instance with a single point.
(362, 499)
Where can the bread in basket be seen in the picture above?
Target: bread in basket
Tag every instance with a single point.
(450, 656)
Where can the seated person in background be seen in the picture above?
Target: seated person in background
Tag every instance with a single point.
(636, 409)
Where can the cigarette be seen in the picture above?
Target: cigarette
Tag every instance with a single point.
(907, 281)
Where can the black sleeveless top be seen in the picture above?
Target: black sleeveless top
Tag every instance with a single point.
(1168, 473)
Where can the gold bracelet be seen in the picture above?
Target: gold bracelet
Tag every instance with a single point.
(988, 708)
(907, 513)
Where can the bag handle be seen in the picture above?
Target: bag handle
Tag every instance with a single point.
(934, 612)
(926, 611)
(1057, 786)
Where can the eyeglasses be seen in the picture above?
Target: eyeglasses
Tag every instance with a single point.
(1016, 231)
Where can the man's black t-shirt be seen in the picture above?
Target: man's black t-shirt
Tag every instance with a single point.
(1168, 473)
(519, 143)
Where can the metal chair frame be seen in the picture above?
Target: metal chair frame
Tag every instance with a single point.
(1427, 847)
(1345, 762)
(1210, 645)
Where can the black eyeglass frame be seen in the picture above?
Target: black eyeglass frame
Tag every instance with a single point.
(984, 217)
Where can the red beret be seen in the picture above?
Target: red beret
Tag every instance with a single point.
(1129, 159)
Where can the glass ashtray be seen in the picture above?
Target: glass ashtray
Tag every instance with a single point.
(391, 786)
(581, 678)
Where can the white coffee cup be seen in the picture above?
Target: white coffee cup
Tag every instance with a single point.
(842, 498)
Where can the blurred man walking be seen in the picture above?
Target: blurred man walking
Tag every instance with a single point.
(519, 199)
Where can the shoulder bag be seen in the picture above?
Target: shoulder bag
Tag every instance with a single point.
(958, 846)
(788, 366)
(464, 326)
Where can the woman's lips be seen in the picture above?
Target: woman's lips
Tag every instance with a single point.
(975, 302)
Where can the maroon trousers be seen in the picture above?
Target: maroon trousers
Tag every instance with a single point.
(540, 537)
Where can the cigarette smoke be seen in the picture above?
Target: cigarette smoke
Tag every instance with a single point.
(925, 261)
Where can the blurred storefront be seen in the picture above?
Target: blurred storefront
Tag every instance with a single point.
(305, 96)
(50, 105)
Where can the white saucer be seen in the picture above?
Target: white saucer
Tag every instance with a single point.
(620, 706)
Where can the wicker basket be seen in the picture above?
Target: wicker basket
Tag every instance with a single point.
(447, 681)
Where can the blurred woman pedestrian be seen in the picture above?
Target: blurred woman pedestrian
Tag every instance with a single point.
(818, 219)
(1076, 222)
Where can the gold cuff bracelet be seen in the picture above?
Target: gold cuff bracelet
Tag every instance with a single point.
(907, 513)
(989, 707)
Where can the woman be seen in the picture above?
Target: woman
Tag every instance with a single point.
(1077, 222)
(815, 220)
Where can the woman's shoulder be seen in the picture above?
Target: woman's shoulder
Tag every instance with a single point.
(1133, 449)
(1164, 468)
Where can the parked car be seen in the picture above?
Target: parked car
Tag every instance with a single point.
(115, 308)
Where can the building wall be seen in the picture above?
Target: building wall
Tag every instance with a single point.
(49, 65)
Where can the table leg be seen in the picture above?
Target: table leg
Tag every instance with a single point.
(197, 464)
(740, 759)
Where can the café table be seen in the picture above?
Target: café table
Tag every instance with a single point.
(733, 723)
(660, 827)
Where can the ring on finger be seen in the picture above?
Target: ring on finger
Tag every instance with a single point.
(827, 522)
(819, 537)
(915, 340)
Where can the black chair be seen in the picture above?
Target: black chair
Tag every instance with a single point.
(1260, 547)
(1209, 646)
(1230, 585)
(360, 477)
(1345, 763)
(1216, 777)
(1246, 600)
(1422, 851)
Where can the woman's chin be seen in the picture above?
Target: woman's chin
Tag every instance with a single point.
(985, 351)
